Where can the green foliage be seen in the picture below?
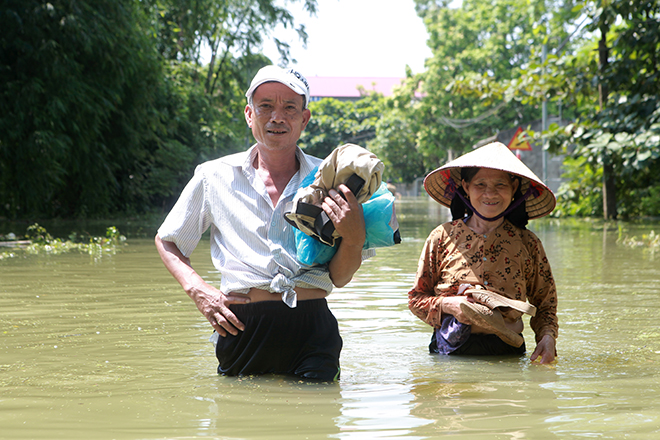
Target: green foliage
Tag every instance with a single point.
(337, 122)
(219, 28)
(105, 107)
(581, 195)
(479, 43)
(625, 133)
(192, 128)
(396, 143)
(38, 235)
(620, 133)
(77, 83)
(40, 242)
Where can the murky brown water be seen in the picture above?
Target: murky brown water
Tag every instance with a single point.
(113, 349)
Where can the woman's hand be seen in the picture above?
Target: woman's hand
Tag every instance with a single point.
(451, 305)
(545, 349)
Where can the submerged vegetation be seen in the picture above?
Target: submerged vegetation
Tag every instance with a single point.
(650, 242)
(38, 241)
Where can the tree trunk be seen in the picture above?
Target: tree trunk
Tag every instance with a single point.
(609, 184)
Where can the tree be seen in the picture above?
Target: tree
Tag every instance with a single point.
(619, 128)
(105, 106)
(336, 122)
(188, 28)
(77, 86)
(397, 133)
(605, 74)
(480, 42)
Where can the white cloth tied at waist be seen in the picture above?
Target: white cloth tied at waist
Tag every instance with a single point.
(280, 284)
(284, 285)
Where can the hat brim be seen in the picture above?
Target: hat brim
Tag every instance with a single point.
(442, 183)
(289, 77)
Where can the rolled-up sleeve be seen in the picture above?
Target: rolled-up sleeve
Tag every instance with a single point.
(189, 218)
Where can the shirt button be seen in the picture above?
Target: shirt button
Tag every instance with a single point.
(486, 283)
(484, 258)
(485, 236)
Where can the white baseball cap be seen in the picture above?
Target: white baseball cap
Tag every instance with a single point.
(289, 77)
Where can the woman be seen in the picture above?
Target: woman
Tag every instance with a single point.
(477, 272)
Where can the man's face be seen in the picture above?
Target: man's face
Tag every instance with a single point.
(277, 117)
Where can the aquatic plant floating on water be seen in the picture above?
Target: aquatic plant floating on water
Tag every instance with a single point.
(39, 242)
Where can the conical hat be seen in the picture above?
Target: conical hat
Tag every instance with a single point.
(442, 183)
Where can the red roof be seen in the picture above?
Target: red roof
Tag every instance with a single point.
(347, 87)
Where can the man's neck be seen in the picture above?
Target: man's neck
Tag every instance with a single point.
(276, 168)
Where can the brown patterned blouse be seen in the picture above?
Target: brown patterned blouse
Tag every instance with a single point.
(509, 260)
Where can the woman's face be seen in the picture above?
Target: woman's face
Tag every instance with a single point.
(490, 191)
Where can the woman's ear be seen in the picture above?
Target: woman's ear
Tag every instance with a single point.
(516, 184)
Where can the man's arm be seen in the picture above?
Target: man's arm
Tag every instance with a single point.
(213, 304)
(347, 217)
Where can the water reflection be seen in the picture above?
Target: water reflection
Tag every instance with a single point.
(112, 348)
(485, 398)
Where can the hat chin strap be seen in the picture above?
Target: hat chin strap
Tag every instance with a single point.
(530, 191)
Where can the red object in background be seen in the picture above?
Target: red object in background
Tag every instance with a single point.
(517, 144)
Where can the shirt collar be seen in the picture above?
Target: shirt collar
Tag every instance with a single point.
(246, 160)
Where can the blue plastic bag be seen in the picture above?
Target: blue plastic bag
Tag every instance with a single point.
(378, 213)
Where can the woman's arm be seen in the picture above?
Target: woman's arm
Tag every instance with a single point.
(542, 292)
(422, 300)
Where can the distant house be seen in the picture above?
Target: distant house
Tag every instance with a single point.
(349, 88)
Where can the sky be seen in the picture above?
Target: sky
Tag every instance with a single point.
(364, 38)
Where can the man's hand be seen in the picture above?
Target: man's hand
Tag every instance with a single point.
(213, 304)
(346, 215)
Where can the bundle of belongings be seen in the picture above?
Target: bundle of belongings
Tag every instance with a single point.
(361, 171)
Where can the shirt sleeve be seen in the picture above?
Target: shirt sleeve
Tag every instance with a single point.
(541, 290)
(422, 300)
(368, 253)
(189, 218)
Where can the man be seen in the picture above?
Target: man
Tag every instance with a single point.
(270, 312)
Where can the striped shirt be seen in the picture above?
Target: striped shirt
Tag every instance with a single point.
(251, 243)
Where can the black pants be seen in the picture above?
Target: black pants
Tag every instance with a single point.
(482, 345)
(303, 341)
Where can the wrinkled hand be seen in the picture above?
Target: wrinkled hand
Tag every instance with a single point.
(346, 215)
(451, 305)
(214, 305)
(545, 349)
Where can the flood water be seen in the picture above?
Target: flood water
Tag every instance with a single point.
(112, 348)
